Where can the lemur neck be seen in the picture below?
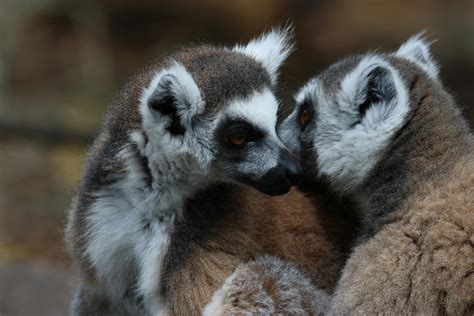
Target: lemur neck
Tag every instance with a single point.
(164, 180)
(432, 142)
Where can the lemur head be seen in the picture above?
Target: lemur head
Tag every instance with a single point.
(345, 118)
(212, 112)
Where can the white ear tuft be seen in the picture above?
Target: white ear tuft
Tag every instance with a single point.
(417, 50)
(271, 49)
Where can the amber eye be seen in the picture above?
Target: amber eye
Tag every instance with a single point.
(305, 117)
(238, 138)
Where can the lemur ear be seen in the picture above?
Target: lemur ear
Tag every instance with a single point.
(173, 98)
(376, 87)
(271, 49)
(374, 92)
(417, 50)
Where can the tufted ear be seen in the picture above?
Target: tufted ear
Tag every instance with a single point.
(375, 88)
(375, 93)
(417, 50)
(271, 49)
(172, 98)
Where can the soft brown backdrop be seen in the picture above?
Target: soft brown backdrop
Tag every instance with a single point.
(62, 61)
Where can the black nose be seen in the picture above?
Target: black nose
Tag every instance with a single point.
(294, 174)
(291, 166)
(281, 178)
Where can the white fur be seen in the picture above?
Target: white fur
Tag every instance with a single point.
(190, 103)
(287, 132)
(288, 135)
(271, 49)
(346, 154)
(417, 50)
(119, 247)
(217, 305)
(261, 110)
(185, 90)
(306, 90)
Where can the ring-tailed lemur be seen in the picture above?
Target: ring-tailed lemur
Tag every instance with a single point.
(382, 129)
(154, 188)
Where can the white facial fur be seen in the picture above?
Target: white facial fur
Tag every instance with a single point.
(260, 109)
(347, 153)
(347, 146)
(271, 49)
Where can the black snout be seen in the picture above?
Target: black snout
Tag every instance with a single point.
(282, 177)
(292, 167)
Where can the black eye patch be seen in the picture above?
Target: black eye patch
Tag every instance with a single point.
(305, 113)
(232, 127)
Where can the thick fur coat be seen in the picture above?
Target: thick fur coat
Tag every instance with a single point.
(165, 211)
(382, 130)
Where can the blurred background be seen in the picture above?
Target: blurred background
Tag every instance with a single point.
(62, 61)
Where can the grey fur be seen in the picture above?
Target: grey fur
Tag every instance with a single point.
(424, 144)
(158, 153)
(267, 286)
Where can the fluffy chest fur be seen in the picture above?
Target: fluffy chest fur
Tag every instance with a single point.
(127, 240)
(129, 227)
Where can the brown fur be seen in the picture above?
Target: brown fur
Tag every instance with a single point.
(421, 263)
(291, 227)
(207, 248)
(416, 253)
(420, 259)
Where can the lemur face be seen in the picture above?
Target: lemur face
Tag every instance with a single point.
(345, 118)
(214, 110)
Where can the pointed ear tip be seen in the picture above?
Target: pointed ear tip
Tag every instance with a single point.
(422, 38)
(287, 33)
(287, 30)
(283, 34)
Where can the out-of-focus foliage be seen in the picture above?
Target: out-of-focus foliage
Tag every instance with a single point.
(62, 61)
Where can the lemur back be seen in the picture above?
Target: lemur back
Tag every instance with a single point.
(382, 130)
(161, 216)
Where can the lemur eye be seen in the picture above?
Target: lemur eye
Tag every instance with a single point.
(305, 117)
(236, 133)
(238, 138)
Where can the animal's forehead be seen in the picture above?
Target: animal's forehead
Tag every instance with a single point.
(260, 109)
(223, 75)
(331, 78)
